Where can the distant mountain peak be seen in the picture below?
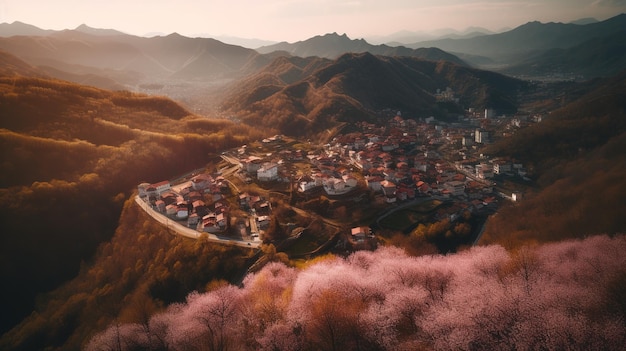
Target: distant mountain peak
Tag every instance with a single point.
(333, 45)
(83, 28)
(21, 28)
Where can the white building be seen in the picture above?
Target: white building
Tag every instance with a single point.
(268, 172)
(484, 171)
(481, 136)
(339, 186)
(201, 181)
(162, 186)
(374, 183)
(490, 113)
(501, 167)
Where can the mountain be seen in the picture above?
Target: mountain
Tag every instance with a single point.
(599, 57)
(20, 28)
(97, 31)
(190, 70)
(355, 86)
(529, 39)
(150, 58)
(334, 45)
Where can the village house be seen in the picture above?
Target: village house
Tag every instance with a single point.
(252, 164)
(374, 183)
(192, 220)
(484, 170)
(307, 183)
(268, 172)
(209, 223)
(162, 186)
(361, 238)
(201, 182)
(502, 167)
(160, 205)
(389, 190)
(182, 211)
(171, 210)
(456, 188)
(263, 221)
(339, 186)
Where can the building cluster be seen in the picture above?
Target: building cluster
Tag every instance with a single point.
(402, 160)
(200, 202)
(398, 160)
(327, 169)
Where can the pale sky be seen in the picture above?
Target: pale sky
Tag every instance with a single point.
(293, 20)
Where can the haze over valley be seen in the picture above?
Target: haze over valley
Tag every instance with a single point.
(421, 186)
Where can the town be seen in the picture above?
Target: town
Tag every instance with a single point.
(354, 182)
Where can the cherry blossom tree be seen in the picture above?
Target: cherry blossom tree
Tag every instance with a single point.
(566, 295)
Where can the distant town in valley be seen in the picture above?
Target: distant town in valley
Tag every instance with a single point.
(379, 168)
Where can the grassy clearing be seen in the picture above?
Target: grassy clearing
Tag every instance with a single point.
(403, 219)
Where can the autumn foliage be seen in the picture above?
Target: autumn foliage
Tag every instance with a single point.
(71, 155)
(577, 157)
(140, 271)
(556, 296)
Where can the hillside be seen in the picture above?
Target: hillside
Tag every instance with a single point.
(333, 45)
(578, 157)
(151, 58)
(599, 57)
(20, 28)
(529, 39)
(70, 155)
(191, 71)
(356, 85)
(560, 296)
(142, 269)
(11, 66)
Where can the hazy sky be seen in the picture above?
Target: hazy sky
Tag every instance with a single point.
(294, 20)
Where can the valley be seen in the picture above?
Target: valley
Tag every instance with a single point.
(373, 169)
(280, 184)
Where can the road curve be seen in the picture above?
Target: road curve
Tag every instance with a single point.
(181, 230)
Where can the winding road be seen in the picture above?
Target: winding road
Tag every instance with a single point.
(181, 230)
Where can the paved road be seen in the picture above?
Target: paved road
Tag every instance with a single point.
(179, 229)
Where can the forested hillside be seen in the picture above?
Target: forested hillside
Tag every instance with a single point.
(139, 272)
(357, 86)
(568, 295)
(70, 156)
(577, 156)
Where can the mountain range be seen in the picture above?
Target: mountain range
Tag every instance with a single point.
(310, 95)
(130, 59)
(597, 57)
(334, 45)
(111, 59)
(529, 40)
